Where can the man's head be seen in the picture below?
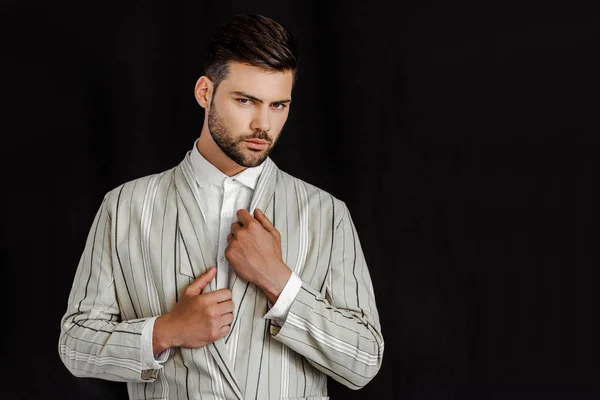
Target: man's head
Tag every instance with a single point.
(249, 74)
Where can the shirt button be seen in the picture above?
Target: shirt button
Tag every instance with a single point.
(223, 260)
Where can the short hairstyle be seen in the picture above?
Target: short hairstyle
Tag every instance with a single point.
(253, 40)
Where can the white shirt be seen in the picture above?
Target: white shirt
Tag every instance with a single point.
(221, 197)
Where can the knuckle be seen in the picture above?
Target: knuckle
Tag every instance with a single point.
(207, 311)
(211, 312)
(215, 333)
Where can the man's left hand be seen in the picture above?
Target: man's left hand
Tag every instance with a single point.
(254, 252)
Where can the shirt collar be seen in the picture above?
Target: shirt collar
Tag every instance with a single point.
(206, 173)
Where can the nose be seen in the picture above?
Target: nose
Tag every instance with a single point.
(261, 120)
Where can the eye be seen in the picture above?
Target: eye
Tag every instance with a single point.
(279, 106)
(244, 101)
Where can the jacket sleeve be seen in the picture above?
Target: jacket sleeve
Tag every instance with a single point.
(339, 332)
(95, 340)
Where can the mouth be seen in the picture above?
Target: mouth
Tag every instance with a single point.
(257, 144)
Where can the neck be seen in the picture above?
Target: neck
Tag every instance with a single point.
(214, 155)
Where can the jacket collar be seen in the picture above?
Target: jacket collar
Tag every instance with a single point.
(195, 242)
(205, 173)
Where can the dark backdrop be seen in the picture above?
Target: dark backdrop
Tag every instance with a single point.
(462, 137)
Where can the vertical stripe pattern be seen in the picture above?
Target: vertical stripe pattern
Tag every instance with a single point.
(147, 243)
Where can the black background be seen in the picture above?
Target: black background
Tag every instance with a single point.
(463, 138)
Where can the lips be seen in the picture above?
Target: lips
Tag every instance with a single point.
(257, 141)
(257, 144)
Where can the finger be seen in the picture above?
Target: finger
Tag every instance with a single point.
(225, 330)
(220, 295)
(244, 216)
(226, 319)
(236, 226)
(226, 307)
(200, 282)
(265, 222)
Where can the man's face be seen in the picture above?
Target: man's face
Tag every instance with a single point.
(250, 103)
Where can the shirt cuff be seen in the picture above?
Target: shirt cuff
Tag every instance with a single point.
(149, 361)
(280, 310)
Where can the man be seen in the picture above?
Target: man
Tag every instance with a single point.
(290, 300)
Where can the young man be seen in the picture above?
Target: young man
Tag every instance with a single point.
(225, 277)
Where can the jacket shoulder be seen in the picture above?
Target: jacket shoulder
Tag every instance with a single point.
(135, 190)
(316, 196)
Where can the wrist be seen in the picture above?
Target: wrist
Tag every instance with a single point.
(274, 283)
(161, 338)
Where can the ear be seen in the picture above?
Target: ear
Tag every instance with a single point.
(203, 91)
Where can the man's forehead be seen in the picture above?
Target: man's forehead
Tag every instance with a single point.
(258, 82)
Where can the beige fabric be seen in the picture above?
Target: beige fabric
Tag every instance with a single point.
(149, 241)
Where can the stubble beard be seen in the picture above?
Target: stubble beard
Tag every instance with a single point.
(233, 148)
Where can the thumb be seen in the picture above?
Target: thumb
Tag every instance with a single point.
(196, 287)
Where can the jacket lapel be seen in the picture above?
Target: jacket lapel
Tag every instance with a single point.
(195, 239)
(242, 291)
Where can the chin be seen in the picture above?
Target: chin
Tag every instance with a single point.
(255, 162)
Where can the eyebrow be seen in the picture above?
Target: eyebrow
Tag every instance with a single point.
(243, 94)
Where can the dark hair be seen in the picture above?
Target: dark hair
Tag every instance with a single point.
(250, 39)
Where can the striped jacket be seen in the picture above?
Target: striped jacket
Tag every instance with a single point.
(149, 241)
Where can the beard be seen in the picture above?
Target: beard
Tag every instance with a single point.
(234, 148)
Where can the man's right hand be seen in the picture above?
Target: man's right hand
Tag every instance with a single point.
(197, 319)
